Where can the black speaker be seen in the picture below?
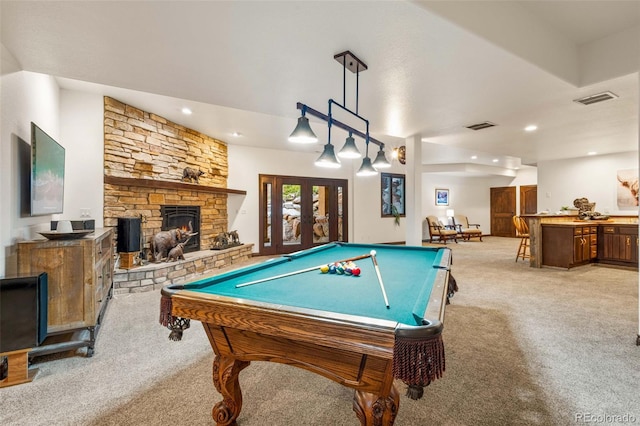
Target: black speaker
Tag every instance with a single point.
(128, 234)
(23, 312)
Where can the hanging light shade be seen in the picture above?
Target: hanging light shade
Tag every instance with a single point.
(366, 169)
(381, 161)
(328, 158)
(303, 133)
(349, 150)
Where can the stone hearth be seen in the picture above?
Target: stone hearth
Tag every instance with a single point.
(154, 276)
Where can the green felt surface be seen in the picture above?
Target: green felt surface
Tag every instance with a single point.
(408, 274)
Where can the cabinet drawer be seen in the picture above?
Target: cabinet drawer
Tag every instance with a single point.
(609, 229)
(593, 239)
(577, 231)
(593, 229)
(628, 230)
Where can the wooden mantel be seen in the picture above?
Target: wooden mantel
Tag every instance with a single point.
(165, 184)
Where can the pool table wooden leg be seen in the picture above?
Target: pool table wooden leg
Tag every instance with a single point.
(225, 378)
(375, 410)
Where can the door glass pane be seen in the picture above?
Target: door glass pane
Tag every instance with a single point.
(291, 214)
(267, 215)
(339, 224)
(320, 214)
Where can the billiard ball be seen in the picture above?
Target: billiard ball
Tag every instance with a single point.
(355, 271)
(324, 269)
(332, 269)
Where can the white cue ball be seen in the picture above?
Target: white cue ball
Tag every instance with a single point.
(373, 252)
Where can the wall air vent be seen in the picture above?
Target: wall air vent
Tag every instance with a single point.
(600, 97)
(480, 126)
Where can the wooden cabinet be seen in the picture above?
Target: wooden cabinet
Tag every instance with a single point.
(619, 244)
(568, 245)
(80, 279)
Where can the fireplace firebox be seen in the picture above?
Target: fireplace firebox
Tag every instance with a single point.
(186, 218)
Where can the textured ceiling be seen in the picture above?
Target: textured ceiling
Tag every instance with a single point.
(434, 68)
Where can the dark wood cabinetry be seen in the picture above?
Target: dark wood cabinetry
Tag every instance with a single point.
(80, 278)
(566, 245)
(619, 245)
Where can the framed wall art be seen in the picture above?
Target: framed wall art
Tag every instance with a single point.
(392, 193)
(627, 189)
(442, 197)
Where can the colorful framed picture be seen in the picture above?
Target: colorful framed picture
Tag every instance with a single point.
(392, 193)
(442, 197)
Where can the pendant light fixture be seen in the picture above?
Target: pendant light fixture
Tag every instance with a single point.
(349, 150)
(328, 157)
(381, 161)
(304, 134)
(366, 168)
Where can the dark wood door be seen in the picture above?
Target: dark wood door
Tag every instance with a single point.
(503, 208)
(301, 212)
(528, 199)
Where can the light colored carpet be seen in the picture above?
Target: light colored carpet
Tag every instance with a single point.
(524, 346)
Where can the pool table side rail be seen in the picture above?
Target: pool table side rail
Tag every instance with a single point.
(370, 336)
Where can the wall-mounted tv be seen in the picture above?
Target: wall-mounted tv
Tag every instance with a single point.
(47, 173)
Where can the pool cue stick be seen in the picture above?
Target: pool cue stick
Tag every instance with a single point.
(301, 271)
(375, 264)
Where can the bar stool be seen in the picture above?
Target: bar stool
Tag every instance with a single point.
(522, 232)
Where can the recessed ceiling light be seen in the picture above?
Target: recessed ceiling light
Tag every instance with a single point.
(531, 128)
(474, 157)
(591, 153)
(495, 160)
(236, 134)
(186, 111)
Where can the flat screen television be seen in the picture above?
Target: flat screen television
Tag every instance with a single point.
(47, 173)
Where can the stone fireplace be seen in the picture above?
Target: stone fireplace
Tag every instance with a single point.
(186, 218)
(144, 159)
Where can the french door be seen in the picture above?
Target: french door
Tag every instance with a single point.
(301, 212)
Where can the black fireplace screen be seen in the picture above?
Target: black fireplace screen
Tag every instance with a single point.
(186, 218)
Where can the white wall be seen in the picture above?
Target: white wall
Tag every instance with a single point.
(26, 97)
(562, 181)
(81, 129)
(469, 196)
(247, 163)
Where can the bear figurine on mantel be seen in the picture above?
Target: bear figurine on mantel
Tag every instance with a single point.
(192, 174)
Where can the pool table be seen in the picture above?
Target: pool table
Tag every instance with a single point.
(336, 325)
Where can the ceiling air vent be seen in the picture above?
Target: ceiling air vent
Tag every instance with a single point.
(480, 126)
(600, 97)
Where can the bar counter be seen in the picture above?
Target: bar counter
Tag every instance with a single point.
(535, 229)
